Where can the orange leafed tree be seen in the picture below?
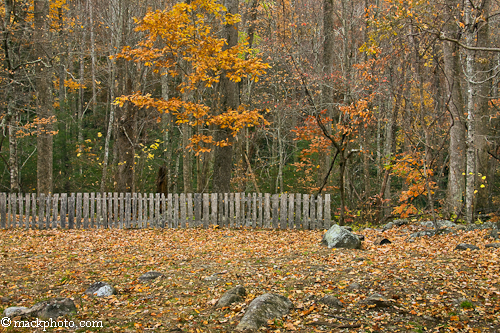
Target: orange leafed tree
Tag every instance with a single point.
(182, 41)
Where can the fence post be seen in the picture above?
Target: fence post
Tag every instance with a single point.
(197, 209)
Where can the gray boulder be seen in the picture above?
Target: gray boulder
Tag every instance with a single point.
(377, 300)
(493, 245)
(263, 308)
(100, 289)
(231, 296)
(53, 308)
(493, 234)
(464, 246)
(331, 301)
(428, 233)
(339, 237)
(440, 223)
(395, 223)
(15, 311)
(150, 276)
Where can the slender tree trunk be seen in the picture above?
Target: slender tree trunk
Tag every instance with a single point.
(455, 106)
(471, 113)
(187, 159)
(223, 156)
(43, 94)
(92, 56)
(484, 75)
(326, 88)
(13, 156)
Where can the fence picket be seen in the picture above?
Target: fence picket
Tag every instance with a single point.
(71, 211)
(312, 212)
(92, 210)
(127, 211)
(283, 211)
(328, 222)
(33, 210)
(28, 211)
(3, 210)
(182, 204)
(206, 205)
(275, 203)
(267, 210)
(305, 212)
(319, 212)
(85, 211)
(55, 210)
(197, 209)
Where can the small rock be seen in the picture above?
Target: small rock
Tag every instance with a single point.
(4, 299)
(15, 311)
(400, 222)
(150, 276)
(213, 277)
(100, 289)
(263, 308)
(354, 286)
(382, 241)
(347, 228)
(231, 296)
(388, 226)
(493, 234)
(331, 301)
(493, 245)
(378, 300)
(464, 246)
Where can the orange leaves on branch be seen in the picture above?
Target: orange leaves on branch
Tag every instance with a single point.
(182, 40)
(410, 167)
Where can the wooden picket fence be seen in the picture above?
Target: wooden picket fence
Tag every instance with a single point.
(136, 210)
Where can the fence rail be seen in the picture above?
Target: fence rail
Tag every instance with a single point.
(136, 210)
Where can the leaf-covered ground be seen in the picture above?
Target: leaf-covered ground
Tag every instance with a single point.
(427, 281)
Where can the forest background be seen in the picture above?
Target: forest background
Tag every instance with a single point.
(389, 105)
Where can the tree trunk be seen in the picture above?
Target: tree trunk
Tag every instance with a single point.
(13, 156)
(229, 95)
(43, 95)
(455, 106)
(326, 88)
(484, 75)
(471, 113)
